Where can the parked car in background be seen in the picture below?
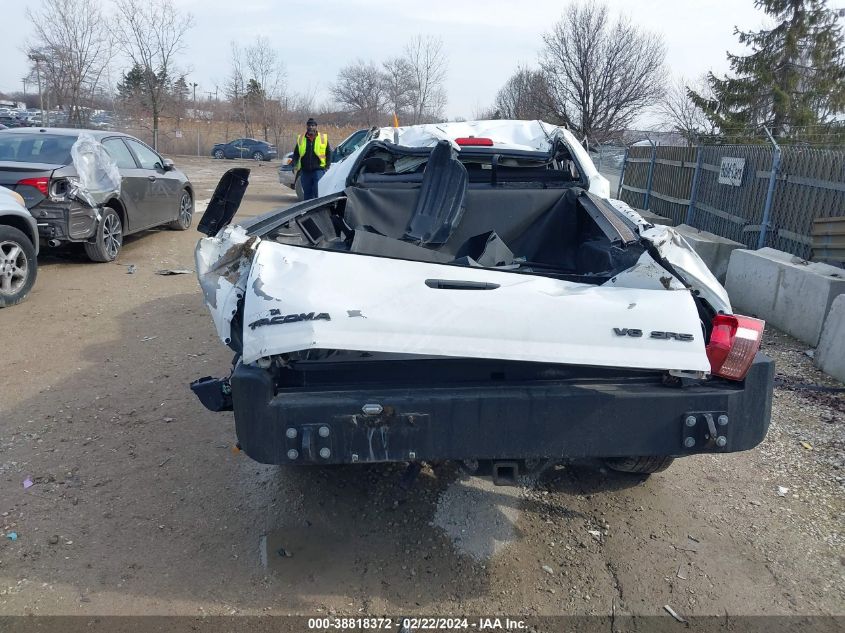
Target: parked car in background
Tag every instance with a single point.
(469, 291)
(13, 121)
(245, 148)
(37, 164)
(18, 249)
(289, 176)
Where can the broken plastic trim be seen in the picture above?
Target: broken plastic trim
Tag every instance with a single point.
(225, 202)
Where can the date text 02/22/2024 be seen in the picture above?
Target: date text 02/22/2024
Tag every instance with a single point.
(411, 624)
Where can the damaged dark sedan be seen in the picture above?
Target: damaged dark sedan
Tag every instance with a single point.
(93, 187)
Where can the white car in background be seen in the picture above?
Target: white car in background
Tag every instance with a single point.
(468, 291)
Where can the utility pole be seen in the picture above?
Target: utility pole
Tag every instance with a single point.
(194, 84)
(38, 58)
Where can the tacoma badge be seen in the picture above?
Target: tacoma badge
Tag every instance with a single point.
(278, 319)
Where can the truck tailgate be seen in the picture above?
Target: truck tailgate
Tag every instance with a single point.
(300, 298)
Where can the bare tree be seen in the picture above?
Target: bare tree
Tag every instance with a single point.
(150, 33)
(236, 88)
(680, 112)
(360, 88)
(428, 66)
(601, 75)
(398, 86)
(72, 52)
(267, 72)
(525, 95)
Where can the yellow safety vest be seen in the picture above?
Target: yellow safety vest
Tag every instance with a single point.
(321, 141)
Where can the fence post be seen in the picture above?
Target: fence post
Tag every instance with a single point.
(770, 192)
(650, 175)
(622, 176)
(694, 189)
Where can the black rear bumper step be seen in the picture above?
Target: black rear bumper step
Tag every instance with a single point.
(501, 421)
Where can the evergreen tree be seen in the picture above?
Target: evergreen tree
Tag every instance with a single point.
(254, 93)
(132, 84)
(792, 82)
(181, 91)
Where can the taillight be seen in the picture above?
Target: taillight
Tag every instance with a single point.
(474, 141)
(733, 344)
(41, 184)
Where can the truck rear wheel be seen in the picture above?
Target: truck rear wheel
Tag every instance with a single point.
(639, 465)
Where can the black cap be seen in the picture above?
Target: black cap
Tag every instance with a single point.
(311, 122)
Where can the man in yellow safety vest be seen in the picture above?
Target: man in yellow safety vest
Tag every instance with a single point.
(312, 156)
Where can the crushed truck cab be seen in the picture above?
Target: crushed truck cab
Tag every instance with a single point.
(470, 293)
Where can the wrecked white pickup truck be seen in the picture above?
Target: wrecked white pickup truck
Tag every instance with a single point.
(470, 293)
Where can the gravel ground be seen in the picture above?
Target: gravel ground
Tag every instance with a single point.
(139, 505)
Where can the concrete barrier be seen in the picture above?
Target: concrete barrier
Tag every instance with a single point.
(788, 292)
(830, 354)
(714, 249)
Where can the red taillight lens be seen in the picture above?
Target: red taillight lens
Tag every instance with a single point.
(472, 140)
(42, 184)
(733, 344)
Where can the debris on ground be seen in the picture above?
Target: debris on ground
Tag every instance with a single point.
(672, 612)
(131, 269)
(782, 491)
(548, 570)
(174, 271)
(807, 445)
(148, 338)
(12, 536)
(27, 483)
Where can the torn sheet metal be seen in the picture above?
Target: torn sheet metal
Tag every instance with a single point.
(223, 265)
(672, 246)
(298, 299)
(98, 178)
(677, 251)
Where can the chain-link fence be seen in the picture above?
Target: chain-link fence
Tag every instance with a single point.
(754, 194)
(196, 137)
(609, 159)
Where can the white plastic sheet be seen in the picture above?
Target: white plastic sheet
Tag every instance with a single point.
(98, 177)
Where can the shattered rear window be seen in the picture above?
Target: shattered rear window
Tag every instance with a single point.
(30, 148)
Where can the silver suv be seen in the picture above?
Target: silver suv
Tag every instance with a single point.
(18, 249)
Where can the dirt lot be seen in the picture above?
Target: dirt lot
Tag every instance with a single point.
(140, 506)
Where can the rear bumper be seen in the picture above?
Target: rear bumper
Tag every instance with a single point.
(71, 222)
(568, 419)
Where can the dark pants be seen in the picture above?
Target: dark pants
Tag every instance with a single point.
(309, 182)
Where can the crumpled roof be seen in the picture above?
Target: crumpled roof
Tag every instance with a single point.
(519, 135)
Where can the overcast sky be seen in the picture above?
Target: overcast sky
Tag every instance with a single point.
(485, 40)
